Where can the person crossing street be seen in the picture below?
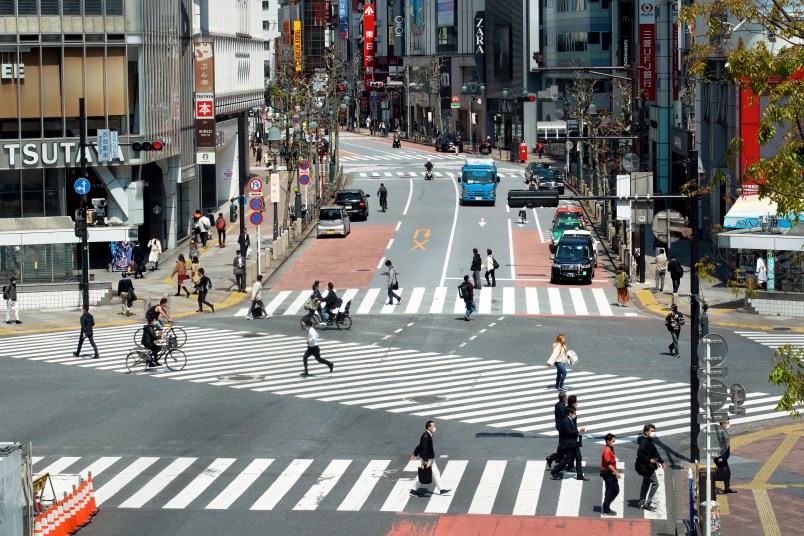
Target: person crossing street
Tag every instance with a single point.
(12, 305)
(382, 193)
(87, 323)
(610, 475)
(391, 283)
(647, 461)
(425, 452)
(313, 349)
(256, 301)
(477, 264)
(673, 323)
(572, 447)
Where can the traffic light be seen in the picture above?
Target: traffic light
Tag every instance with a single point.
(532, 198)
(377, 85)
(528, 98)
(341, 88)
(147, 145)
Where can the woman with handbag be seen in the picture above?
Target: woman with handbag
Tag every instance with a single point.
(559, 359)
(180, 271)
(621, 282)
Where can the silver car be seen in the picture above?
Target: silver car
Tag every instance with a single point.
(333, 221)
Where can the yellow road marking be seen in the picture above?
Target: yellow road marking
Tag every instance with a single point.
(419, 244)
(770, 526)
(764, 474)
(742, 440)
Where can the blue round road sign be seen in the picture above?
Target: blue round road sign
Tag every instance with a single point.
(81, 186)
(304, 179)
(255, 203)
(304, 166)
(256, 218)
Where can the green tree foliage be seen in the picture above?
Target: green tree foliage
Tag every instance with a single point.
(788, 371)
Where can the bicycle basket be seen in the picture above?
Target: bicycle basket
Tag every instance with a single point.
(172, 342)
(310, 306)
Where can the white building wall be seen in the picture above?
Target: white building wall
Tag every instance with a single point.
(228, 17)
(270, 32)
(238, 65)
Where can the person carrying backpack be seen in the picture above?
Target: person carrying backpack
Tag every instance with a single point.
(676, 272)
(673, 323)
(491, 268)
(220, 225)
(467, 291)
(204, 286)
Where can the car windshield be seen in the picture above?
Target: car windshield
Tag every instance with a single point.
(547, 176)
(572, 252)
(329, 214)
(478, 177)
(567, 215)
(566, 225)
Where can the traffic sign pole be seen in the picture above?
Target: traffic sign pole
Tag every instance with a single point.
(82, 145)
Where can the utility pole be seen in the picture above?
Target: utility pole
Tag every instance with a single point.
(695, 305)
(242, 172)
(82, 147)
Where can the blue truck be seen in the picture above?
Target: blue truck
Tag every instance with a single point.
(479, 180)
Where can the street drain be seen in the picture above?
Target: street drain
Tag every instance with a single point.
(252, 335)
(241, 378)
(782, 328)
(426, 399)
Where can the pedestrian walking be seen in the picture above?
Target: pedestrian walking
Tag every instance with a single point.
(722, 464)
(477, 264)
(647, 461)
(467, 291)
(392, 283)
(703, 321)
(87, 323)
(559, 359)
(204, 225)
(220, 225)
(12, 304)
(258, 155)
(180, 271)
(257, 308)
(621, 282)
(125, 290)
(676, 272)
(154, 251)
(195, 224)
(610, 475)
(138, 259)
(425, 452)
(572, 447)
(239, 270)
(491, 268)
(660, 264)
(195, 276)
(192, 250)
(313, 349)
(560, 411)
(673, 323)
(204, 286)
(761, 272)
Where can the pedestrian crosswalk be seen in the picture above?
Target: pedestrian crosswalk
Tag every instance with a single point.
(420, 174)
(506, 487)
(400, 155)
(774, 340)
(506, 395)
(554, 300)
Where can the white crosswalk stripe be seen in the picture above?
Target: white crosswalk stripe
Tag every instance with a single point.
(437, 174)
(570, 301)
(484, 392)
(507, 487)
(774, 340)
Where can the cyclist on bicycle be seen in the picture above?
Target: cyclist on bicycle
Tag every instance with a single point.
(158, 312)
(148, 341)
(382, 193)
(316, 298)
(330, 302)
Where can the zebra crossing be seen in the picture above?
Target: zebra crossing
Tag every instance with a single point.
(398, 155)
(773, 340)
(499, 394)
(506, 487)
(564, 301)
(416, 174)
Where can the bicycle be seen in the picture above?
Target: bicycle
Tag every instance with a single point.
(340, 319)
(168, 331)
(174, 359)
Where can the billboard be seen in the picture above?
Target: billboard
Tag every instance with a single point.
(204, 71)
(369, 49)
(647, 49)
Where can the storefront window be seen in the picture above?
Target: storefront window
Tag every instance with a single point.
(33, 199)
(54, 190)
(10, 195)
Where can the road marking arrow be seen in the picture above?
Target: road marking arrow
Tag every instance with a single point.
(482, 222)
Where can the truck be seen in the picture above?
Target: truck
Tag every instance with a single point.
(479, 180)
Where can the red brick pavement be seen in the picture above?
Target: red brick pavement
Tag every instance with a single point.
(532, 258)
(496, 525)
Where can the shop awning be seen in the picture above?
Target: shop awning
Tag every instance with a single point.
(791, 239)
(749, 212)
(57, 230)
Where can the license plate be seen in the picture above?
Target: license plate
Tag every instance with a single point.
(478, 198)
(348, 206)
(569, 274)
(330, 231)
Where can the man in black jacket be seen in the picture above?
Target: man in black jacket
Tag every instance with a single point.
(673, 323)
(477, 265)
(572, 447)
(138, 256)
(148, 341)
(125, 289)
(87, 322)
(647, 461)
(425, 452)
(676, 272)
(560, 413)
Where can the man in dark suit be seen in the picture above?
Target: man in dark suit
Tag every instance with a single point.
(426, 453)
(572, 448)
(560, 413)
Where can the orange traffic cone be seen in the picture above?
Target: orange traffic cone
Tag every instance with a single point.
(93, 508)
(81, 516)
(46, 517)
(72, 523)
(58, 521)
(38, 526)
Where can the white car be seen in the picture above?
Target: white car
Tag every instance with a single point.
(583, 233)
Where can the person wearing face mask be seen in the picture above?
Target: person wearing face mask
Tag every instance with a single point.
(647, 461)
(610, 475)
(425, 452)
(722, 463)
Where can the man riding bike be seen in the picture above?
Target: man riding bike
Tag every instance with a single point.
(330, 303)
(382, 193)
(158, 312)
(429, 167)
(148, 341)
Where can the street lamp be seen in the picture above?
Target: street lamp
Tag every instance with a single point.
(472, 89)
(516, 95)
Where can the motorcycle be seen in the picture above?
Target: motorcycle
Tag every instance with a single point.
(485, 147)
(397, 143)
(428, 175)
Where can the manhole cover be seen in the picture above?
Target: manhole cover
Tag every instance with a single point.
(426, 399)
(251, 335)
(782, 329)
(241, 378)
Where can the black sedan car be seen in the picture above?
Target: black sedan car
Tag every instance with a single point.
(447, 143)
(574, 261)
(534, 169)
(354, 201)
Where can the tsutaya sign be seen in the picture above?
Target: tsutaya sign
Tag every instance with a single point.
(41, 154)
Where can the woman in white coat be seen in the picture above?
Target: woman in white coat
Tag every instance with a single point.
(155, 248)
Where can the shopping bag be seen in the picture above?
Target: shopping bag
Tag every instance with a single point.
(425, 475)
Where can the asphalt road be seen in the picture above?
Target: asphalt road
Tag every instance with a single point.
(238, 443)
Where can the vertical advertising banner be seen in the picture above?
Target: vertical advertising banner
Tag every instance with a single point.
(204, 71)
(369, 49)
(480, 46)
(647, 49)
(297, 45)
(676, 59)
(343, 19)
(626, 32)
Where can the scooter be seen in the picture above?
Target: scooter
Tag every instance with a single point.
(428, 175)
(397, 143)
(485, 147)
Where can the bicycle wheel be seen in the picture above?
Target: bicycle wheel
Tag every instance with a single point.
(136, 361)
(344, 323)
(138, 338)
(180, 334)
(308, 317)
(175, 360)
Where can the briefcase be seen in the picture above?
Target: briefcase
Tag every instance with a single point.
(425, 475)
(722, 474)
